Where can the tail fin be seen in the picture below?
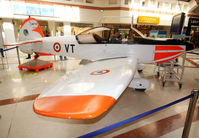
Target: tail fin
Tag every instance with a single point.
(30, 30)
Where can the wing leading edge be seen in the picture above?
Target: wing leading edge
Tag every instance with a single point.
(87, 92)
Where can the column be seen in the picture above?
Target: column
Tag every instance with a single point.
(67, 28)
(51, 26)
(1, 38)
(8, 28)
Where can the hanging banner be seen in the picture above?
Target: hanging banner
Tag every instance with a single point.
(148, 20)
(33, 10)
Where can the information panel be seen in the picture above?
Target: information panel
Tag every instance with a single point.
(148, 20)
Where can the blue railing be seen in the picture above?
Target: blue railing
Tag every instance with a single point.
(3, 50)
(9, 48)
(193, 53)
(129, 120)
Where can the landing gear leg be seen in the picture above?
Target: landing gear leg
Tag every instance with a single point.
(139, 83)
(36, 55)
(140, 67)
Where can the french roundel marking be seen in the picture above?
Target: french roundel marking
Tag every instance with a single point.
(57, 47)
(100, 72)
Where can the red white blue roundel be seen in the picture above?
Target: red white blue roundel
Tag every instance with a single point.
(57, 47)
(100, 72)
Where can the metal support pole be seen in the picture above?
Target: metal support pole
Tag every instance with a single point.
(2, 56)
(18, 55)
(190, 113)
(55, 58)
(1, 51)
(6, 57)
(2, 62)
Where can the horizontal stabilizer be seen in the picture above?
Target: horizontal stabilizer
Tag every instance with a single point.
(23, 42)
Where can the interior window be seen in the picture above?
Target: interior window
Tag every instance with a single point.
(95, 35)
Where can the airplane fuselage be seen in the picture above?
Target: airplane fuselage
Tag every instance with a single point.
(69, 46)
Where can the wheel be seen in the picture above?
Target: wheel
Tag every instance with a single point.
(141, 90)
(139, 71)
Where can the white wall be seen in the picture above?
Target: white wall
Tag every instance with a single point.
(164, 19)
(90, 16)
(111, 13)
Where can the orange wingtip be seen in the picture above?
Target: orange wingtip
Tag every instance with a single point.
(73, 107)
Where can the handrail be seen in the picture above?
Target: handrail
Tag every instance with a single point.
(194, 93)
(193, 53)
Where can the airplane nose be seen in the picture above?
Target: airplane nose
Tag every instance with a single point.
(189, 46)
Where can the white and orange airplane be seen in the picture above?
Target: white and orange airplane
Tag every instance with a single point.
(90, 90)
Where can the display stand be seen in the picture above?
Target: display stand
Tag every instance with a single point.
(35, 65)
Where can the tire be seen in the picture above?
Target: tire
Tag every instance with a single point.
(141, 90)
(140, 71)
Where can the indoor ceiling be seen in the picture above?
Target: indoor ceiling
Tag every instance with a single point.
(195, 10)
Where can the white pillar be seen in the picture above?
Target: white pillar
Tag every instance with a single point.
(8, 28)
(67, 28)
(1, 38)
(51, 26)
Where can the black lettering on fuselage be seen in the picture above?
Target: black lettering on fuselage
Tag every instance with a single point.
(67, 47)
(72, 45)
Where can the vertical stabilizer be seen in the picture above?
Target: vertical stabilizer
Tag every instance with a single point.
(30, 30)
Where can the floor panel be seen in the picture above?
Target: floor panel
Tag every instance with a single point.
(18, 89)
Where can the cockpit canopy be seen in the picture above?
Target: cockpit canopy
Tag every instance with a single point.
(102, 34)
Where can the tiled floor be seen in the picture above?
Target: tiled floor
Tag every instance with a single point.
(19, 88)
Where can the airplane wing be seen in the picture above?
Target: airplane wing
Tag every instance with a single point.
(87, 92)
(23, 42)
